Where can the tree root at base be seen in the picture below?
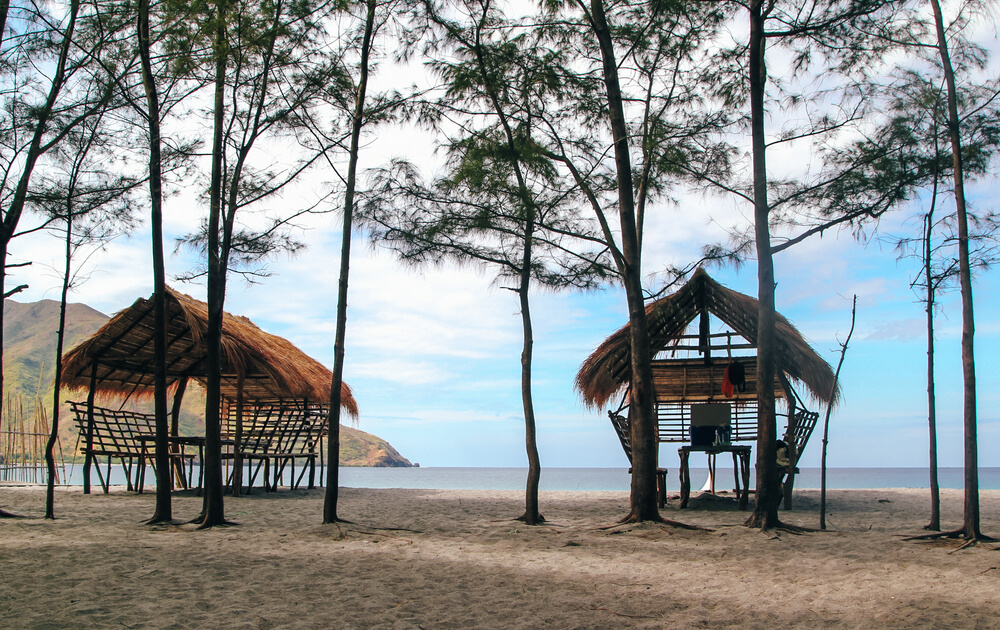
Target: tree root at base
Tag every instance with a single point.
(538, 520)
(970, 541)
(632, 519)
(223, 523)
(200, 522)
(788, 528)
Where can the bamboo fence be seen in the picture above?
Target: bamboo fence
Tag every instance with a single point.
(22, 443)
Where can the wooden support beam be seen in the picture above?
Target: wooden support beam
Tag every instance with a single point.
(704, 341)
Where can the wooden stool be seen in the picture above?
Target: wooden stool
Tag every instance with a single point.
(661, 486)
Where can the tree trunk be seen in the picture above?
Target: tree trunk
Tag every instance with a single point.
(50, 446)
(531, 515)
(4, 9)
(228, 220)
(12, 214)
(935, 522)
(163, 513)
(212, 511)
(333, 467)
(829, 409)
(765, 511)
(971, 520)
(641, 420)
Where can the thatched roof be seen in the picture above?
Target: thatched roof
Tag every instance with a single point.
(607, 370)
(271, 367)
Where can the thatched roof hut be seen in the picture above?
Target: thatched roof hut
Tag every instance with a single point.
(607, 371)
(268, 366)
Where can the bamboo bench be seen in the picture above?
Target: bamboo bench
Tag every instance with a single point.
(273, 437)
(796, 438)
(128, 437)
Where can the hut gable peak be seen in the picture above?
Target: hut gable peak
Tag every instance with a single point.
(607, 371)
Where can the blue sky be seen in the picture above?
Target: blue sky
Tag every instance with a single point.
(433, 354)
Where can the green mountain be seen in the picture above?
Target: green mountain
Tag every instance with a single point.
(29, 333)
(358, 448)
(28, 362)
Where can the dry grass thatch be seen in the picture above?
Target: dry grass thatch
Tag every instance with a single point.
(269, 366)
(607, 371)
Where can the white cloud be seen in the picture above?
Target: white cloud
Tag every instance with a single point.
(910, 329)
(401, 371)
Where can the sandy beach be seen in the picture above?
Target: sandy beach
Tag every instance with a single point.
(457, 559)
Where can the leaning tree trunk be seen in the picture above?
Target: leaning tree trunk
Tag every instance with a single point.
(330, 500)
(12, 214)
(970, 526)
(357, 121)
(163, 513)
(765, 511)
(641, 418)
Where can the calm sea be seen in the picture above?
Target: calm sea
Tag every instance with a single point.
(619, 479)
(607, 478)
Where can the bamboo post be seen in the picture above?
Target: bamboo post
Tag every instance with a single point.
(23, 447)
(3, 448)
(175, 413)
(322, 459)
(790, 446)
(312, 460)
(88, 458)
(238, 448)
(704, 341)
(38, 447)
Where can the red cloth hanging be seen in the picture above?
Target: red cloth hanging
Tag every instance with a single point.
(727, 386)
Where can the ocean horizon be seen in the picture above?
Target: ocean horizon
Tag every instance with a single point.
(588, 479)
(592, 479)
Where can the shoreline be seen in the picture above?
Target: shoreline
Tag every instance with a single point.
(457, 559)
(599, 478)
